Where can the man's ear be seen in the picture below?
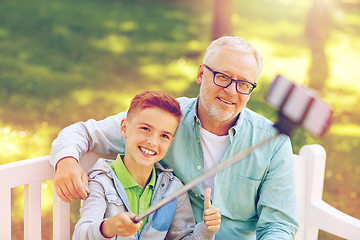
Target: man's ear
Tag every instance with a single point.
(123, 127)
(200, 74)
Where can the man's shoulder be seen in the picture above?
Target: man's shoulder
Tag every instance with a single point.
(250, 114)
(260, 125)
(186, 103)
(256, 119)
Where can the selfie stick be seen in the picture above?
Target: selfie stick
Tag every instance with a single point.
(201, 178)
(297, 106)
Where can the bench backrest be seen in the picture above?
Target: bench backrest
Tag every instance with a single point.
(309, 169)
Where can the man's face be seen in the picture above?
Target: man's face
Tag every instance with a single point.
(148, 135)
(224, 104)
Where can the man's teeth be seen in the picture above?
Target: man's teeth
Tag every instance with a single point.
(223, 100)
(147, 151)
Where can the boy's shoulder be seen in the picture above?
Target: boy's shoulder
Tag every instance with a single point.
(160, 169)
(101, 167)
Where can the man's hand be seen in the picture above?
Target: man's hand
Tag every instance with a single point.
(71, 181)
(212, 216)
(121, 225)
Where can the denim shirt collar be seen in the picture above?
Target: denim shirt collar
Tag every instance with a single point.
(232, 131)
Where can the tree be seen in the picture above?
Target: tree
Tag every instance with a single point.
(317, 32)
(222, 25)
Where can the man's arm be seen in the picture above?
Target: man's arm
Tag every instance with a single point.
(75, 140)
(277, 206)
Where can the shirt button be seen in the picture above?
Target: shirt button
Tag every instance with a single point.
(196, 195)
(198, 167)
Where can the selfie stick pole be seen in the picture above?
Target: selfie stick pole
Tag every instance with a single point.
(234, 159)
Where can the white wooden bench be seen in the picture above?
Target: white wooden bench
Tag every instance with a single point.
(314, 213)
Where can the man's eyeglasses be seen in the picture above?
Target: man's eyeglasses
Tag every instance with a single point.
(223, 80)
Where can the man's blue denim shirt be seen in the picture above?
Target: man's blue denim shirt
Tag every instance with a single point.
(257, 194)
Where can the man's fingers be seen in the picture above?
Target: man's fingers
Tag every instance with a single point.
(61, 195)
(73, 191)
(65, 188)
(79, 188)
(85, 181)
(71, 180)
(207, 195)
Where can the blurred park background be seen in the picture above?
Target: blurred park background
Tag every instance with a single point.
(68, 61)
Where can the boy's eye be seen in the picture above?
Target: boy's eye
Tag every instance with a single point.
(145, 129)
(165, 136)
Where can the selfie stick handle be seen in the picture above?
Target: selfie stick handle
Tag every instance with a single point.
(237, 157)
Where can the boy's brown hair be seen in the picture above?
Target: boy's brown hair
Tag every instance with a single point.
(157, 99)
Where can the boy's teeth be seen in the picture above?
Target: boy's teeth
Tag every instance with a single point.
(147, 151)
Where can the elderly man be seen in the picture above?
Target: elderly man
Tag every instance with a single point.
(256, 196)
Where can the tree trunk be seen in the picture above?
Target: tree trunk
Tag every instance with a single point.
(222, 25)
(317, 32)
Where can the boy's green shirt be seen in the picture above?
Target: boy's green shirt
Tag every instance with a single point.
(139, 200)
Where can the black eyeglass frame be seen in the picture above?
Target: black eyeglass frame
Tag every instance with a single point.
(232, 80)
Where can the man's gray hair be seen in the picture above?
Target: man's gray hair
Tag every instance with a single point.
(232, 43)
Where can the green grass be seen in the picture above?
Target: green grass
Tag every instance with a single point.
(67, 61)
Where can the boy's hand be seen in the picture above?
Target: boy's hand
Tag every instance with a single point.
(121, 225)
(71, 181)
(212, 216)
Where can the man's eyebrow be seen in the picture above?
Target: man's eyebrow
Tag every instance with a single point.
(229, 75)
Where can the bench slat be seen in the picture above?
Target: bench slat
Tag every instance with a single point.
(5, 216)
(32, 211)
(61, 218)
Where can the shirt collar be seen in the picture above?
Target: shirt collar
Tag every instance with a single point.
(124, 176)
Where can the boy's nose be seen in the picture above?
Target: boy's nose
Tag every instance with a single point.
(152, 140)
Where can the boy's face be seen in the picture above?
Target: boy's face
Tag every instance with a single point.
(148, 135)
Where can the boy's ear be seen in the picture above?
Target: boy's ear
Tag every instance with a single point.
(123, 127)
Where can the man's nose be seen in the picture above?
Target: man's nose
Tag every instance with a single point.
(231, 88)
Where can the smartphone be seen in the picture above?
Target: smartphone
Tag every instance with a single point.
(298, 106)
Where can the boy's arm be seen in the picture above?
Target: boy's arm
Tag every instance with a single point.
(183, 223)
(121, 225)
(94, 224)
(211, 216)
(92, 214)
(74, 141)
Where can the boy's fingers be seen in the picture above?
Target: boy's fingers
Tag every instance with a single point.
(207, 196)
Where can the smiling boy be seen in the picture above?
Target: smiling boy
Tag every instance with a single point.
(125, 187)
